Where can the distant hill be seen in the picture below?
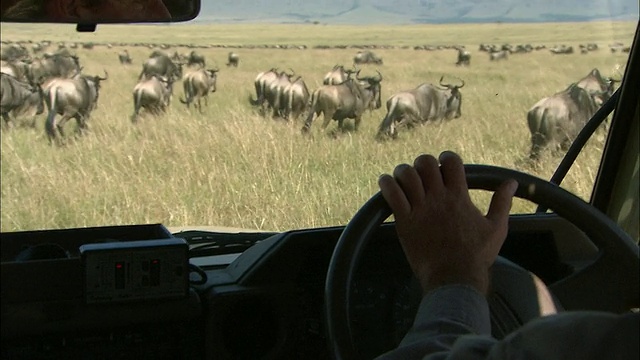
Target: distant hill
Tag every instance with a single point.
(415, 11)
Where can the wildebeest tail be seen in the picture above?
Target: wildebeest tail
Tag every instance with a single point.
(312, 110)
(50, 123)
(538, 126)
(188, 92)
(137, 101)
(388, 120)
(259, 95)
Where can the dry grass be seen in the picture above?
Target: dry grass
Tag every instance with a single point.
(231, 167)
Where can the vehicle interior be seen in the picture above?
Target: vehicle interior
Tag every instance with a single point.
(150, 287)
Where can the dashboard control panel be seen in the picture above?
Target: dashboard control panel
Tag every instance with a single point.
(135, 270)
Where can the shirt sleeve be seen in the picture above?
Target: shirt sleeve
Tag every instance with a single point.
(453, 322)
(445, 314)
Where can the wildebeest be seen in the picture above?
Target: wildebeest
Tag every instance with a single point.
(161, 65)
(464, 57)
(198, 84)
(348, 100)
(233, 59)
(177, 57)
(75, 97)
(499, 55)
(153, 94)
(275, 93)
(124, 57)
(559, 118)
(337, 75)
(261, 84)
(195, 59)
(19, 98)
(14, 52)
(426, 102)
(601, 88)
(563, 49)
(367, 57)
(54, 66)
(17, 68)
(297, 98)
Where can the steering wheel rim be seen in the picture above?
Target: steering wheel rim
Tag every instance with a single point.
(610, 239)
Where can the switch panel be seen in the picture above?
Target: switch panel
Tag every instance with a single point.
(135, 270)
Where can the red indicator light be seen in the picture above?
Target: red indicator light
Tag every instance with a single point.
(118, 265)
(155, 261)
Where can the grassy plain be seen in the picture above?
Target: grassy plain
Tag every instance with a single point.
(228, 166)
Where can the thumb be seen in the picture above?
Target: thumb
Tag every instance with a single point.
(501, 202)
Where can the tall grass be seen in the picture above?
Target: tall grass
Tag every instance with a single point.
(229, 166)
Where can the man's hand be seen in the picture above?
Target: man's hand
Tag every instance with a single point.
(445, 237)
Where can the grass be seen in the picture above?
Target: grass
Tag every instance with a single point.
(231, 167)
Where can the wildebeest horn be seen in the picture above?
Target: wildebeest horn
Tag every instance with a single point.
(358, 75)
(106, 75)
(460, 87)
(292, 72)
(379, 76)
(443, 84)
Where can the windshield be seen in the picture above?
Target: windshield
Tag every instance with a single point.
(252, 152)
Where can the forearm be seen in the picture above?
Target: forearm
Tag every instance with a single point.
(445, 314)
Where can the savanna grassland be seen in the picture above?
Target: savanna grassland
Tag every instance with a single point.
(229, 166)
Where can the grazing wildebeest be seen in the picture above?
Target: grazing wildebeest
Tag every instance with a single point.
(153, 94)
(464, 57)
(161, 65)
(54, 66)
(233, 59)
(367, 57)
(297, 98)
(75, 97)
(559, 118)
(198, 84)
(262, 82)
(563, 49)
(124, 57)
(195, 59)
(426, 102)
(499, 55)
(337, 75)
(348, 100)
(19, 98)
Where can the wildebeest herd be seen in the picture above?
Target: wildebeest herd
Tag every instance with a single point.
(54, 83)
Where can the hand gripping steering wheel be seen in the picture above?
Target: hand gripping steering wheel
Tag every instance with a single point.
(618, 258)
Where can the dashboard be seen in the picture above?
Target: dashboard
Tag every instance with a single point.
(266, 303)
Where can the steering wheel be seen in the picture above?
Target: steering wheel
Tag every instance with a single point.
(618, 257)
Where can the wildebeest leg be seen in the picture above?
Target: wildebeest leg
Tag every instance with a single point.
(199, 104)
(60, 127)
(307, 124)
(357, 122)
(328, 115)
(81, 122)
(7, 121)
(538, 141)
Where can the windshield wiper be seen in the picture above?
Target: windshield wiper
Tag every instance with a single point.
(207, 243)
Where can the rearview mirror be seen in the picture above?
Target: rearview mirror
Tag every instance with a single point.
(98, 11)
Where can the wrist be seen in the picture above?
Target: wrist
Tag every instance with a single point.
(478, 278)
